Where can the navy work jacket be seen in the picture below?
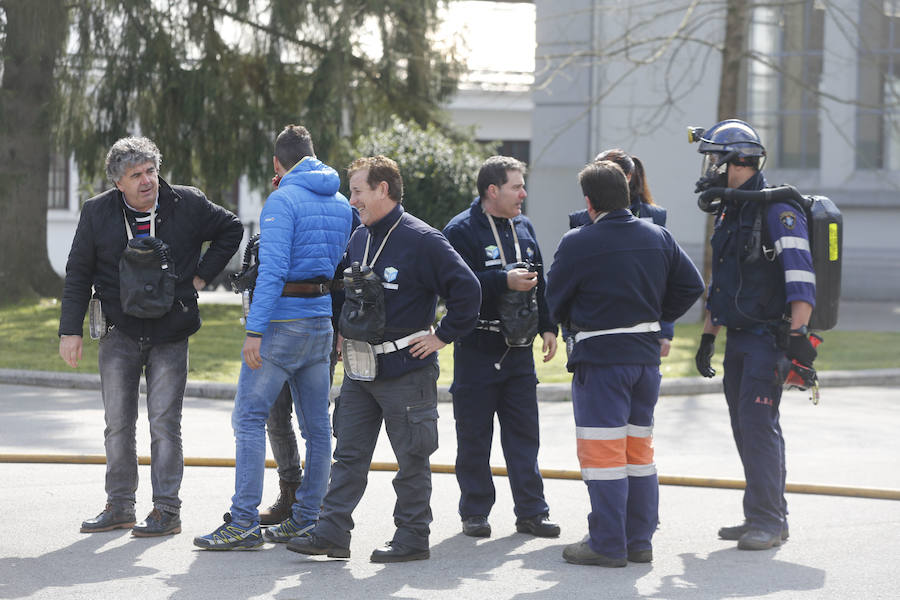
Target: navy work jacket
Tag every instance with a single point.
(470, 234)
(416, 266)
(619, 272)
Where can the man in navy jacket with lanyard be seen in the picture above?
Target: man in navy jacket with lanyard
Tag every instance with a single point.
(491, 377)
(413, 264)
(612, 281)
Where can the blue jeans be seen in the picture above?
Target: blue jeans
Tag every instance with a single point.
(296, 352)
(282, 439)
(121, 360)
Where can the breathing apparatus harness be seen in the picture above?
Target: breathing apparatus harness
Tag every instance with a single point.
(363, 317)
(824, 227)
(518, 322)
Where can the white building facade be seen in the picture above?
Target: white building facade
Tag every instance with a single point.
(823, 94)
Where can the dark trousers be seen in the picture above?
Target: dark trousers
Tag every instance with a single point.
(613, 408)
(753, 403)
(514, 401)
(408, 407)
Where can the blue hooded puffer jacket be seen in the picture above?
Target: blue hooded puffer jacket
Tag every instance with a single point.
(304, 228)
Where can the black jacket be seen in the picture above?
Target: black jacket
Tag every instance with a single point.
(185, 220)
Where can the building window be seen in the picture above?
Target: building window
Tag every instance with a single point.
(878, 120)
(518, 149)
(58, 183)
(783, 81)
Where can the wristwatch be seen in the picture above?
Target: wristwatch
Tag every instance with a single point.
(802, 330)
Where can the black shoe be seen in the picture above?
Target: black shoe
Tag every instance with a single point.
(757, 539)
(158, 522)
(314, 544)
(538, 525)
(111, 518)
(580, 553)
(476, 526)
(735, 533)
(640, 556)
(393, 552)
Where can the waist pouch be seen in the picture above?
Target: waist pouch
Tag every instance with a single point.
(146, 280)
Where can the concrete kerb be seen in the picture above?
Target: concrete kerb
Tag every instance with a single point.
(547, 392)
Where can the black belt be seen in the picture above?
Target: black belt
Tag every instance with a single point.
(308, 289)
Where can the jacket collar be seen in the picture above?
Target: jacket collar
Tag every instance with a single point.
(620, 214)
(380, 228)
(476, 211)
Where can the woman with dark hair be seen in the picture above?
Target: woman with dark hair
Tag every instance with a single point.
(642, 207)
(642, 204)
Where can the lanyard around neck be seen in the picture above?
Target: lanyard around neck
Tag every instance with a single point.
(381, 247)
(490, 218)
(152, 223)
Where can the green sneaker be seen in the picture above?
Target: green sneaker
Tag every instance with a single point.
(231, 536)
(287, 530)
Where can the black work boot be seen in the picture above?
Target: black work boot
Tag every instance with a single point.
(111, 518)
(157, 523)
(281, 510)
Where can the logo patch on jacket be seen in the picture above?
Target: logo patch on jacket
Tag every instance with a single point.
(788, 219)
(492, 251)
(529, 251)
(390, 274)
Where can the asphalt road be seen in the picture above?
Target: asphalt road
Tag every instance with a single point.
(840, 547)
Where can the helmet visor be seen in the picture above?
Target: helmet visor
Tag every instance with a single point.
(711, 167)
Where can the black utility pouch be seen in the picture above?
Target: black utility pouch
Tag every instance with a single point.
(146, 280)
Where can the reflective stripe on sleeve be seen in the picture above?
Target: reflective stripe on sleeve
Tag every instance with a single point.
(798, 276)
(791, 242)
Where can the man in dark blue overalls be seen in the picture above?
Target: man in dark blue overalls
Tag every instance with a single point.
(493, 373)
(762, 283)
(612, 282)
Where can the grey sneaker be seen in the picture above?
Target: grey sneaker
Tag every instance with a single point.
(581, 554)
(111, 518)
(231, 536)
(288, 529)
(157, 523)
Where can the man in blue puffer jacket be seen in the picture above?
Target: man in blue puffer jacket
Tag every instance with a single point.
(304, 228)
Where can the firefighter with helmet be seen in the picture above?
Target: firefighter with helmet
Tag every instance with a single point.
(763, 292)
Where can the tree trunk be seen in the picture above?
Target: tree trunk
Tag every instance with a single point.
(737, 20)
(414, 17)
(35, 39)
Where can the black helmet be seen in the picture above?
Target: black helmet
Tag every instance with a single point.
(731, 141)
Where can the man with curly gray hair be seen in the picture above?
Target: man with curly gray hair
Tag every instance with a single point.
(179, 220)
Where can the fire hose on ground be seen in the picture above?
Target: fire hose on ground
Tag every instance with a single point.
(704, 482)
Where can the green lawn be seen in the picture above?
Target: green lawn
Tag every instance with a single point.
(28, 341)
